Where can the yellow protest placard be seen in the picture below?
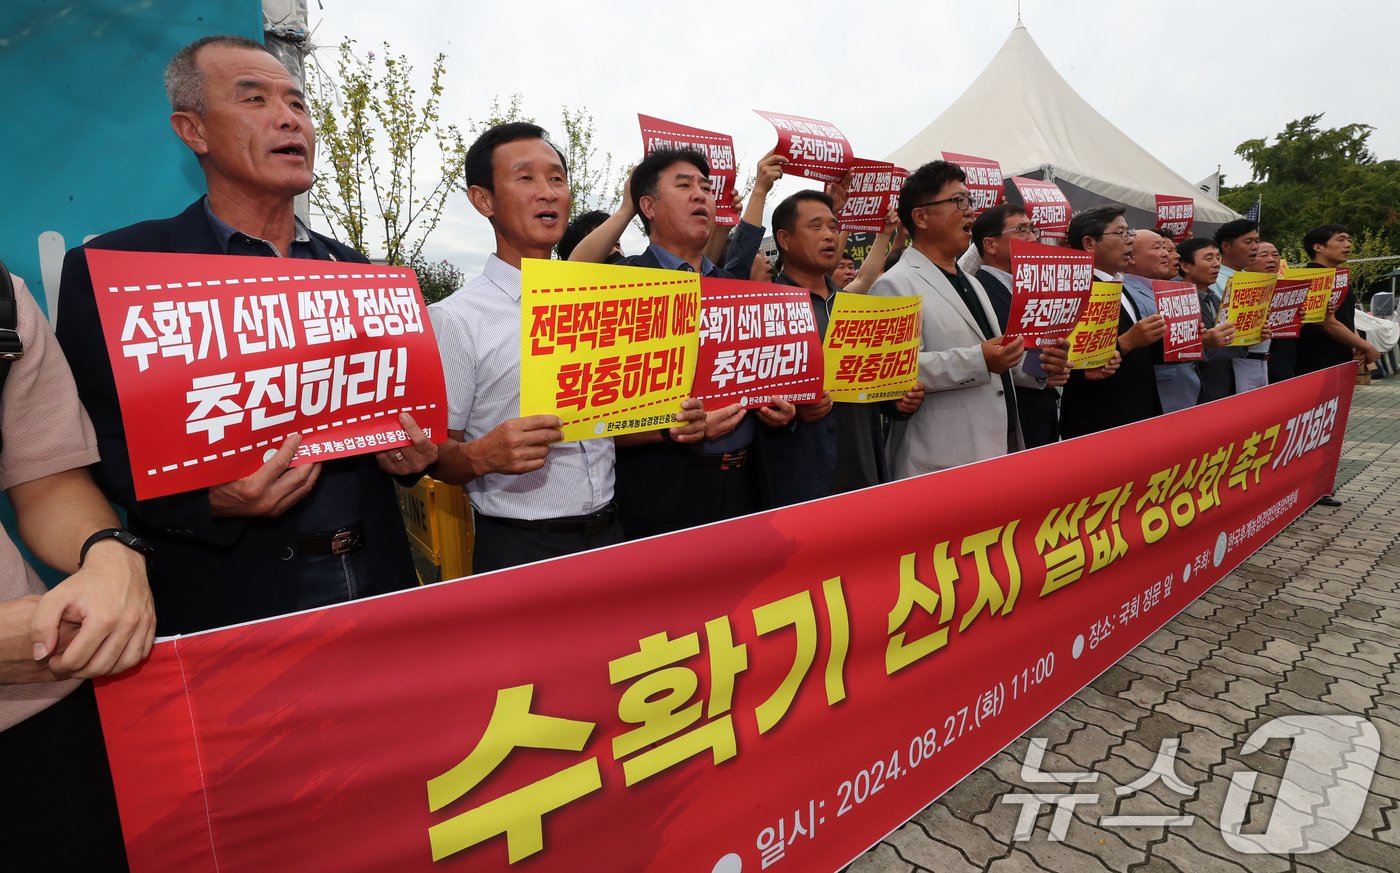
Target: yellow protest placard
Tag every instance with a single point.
(1095, 335)
(1320, 281)
(610, 350)
(871, 350)
(1246, 303)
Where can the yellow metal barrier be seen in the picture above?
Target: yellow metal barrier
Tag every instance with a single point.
(438, 519)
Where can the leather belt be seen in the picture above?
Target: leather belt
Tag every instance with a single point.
(589, 525)
(1257, 356)
(336, 542)
(726, 461)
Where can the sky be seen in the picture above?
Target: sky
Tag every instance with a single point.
(1188, 80)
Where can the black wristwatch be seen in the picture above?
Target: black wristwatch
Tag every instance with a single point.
(125, 537)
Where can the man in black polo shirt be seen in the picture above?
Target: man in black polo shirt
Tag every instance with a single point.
(1334, 341)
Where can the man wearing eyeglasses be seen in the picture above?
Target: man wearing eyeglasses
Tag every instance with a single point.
(969, 411)
(1178, 383)
(992, 233)
(1091, 405)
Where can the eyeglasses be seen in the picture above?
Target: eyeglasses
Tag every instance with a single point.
(1126, 233)
(1020, 228)
(960, 201)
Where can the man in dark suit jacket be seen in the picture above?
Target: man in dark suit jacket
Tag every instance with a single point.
(992, 232)
(662, 486)
(284, 538)
(1200, 265)
(1091, 405)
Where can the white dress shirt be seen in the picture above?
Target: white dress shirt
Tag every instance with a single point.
(478, 334)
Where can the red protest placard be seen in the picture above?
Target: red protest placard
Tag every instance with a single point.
(1286, 309)
(873, 190)
(1175, 215)
(758, 343)
(897, 185)
(1046, 205)
(1180, 306)
(718, 149)
(1049, 287)
(1340, 284)
(217, 359)
(666, 716)
(984, 179)
(815, 149)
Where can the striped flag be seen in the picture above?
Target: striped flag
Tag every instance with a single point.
(1253, 213)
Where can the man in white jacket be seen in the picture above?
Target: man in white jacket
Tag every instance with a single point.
(969, 411)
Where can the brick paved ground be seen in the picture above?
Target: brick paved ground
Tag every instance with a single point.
(1309, 624)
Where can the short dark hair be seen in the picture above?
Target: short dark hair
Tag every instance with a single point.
(646, 174)
(785, 215)
(1233, 230)
(1188, 248)
(924, 183)
(1092, 222)
(480, 165)
(184, 81)
(992, 221)
(580, 227)
(1319, 236)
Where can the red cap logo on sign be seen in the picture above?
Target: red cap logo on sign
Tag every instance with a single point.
(984, 179)
(718, 149)
(1175, 215)
(815, 149)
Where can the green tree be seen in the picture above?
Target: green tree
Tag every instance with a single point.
(388, 160)
(436, 279)
(1308, 175)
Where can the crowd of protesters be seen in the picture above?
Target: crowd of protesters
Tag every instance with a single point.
(289, 538)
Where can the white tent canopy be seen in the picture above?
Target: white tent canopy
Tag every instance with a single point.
(1023, 114)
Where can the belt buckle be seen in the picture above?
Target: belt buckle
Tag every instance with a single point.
(344, 541)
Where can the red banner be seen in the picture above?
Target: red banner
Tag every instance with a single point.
(1047, 206)
(983, 179)
(788, 698)
(1180, 306)
(718, 149)
(873, 191)
(1050, 286)
(1175, 215)
(758, 343)
(1286, 307)
(218, 359)
(1339, 288)
(815, 149)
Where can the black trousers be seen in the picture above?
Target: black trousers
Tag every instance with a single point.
(713, 494)
(57, 807)
(499, 546)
